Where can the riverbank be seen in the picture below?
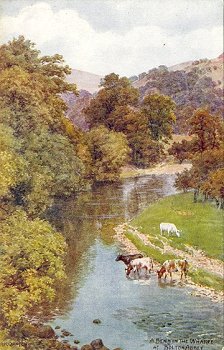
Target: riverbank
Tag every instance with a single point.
(165, 168)
(130, 248)
(206, 268)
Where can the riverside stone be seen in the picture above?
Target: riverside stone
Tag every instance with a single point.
(97, 344)
(41, 331)
(87, 347)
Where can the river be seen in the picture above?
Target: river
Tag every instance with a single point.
(134, 314)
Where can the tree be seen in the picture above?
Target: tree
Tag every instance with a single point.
(184, 181)
(207, 131)
(115, 92)
(159, 111)
(30, 103)
(133, 124)
(199, 177)
(12, 164)
(55, 167)
(30, 86)
(31, 263)
(109, 152)
(181, 150)
(214, 187)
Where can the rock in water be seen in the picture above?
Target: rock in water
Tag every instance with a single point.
(97, 344)
(97, 321)
(86, 347)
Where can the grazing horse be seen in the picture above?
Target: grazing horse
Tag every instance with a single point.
(170, 266)
(139, 264)
(128, 258)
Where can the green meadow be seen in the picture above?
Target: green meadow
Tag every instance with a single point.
(201, 223)
(201, 226)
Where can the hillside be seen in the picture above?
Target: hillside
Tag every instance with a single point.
(212, 68)
(191, 85)
(85, 80)
(75, 106)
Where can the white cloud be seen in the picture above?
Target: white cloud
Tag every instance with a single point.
(150, 42)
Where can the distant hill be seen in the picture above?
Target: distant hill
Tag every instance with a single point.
(212, 68)
(85, 80)
(190, 84)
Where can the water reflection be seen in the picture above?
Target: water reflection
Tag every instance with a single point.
(95, 214)
(131, 311)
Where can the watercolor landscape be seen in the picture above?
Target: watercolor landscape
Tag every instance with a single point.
(111, 175)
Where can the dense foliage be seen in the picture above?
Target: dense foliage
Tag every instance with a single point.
(206, 151)
(40, 159)
(190, 90)
(109, 151)
(146, 125)
(31, 264)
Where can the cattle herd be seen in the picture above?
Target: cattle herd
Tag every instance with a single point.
(136, 263)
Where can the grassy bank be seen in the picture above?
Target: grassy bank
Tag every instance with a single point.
(201, 223)
(198, 276)
(202, 228)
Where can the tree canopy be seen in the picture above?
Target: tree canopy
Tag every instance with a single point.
(146, 126)
(115, 92)
(39, 161)
(159, 111)
(206, 152)
(109, 152)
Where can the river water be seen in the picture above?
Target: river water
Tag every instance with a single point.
(134, 314)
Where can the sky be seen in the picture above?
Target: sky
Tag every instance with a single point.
(127, 37)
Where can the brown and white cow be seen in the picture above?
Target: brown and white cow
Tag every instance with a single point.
(170, 266)
(140, 264)
(127, 258)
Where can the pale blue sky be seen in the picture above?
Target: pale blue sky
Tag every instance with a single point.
(124, 36)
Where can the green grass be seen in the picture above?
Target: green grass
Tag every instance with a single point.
(199, 276)
(207, 279)
(149, 251)
(201, 223)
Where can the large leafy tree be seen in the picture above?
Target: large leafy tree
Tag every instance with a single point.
(115, 92)
(214, 187)
(206, 153)
(134, 125)
(205, 175)
(31, 264)
(207, 131)
(30, 86)
(56, 169)
(38, 161)
(109, 152)
(159, 111)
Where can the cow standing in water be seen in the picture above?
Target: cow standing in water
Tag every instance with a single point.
(128, 258)
(138, 265)
(170, 266)
(169, 228)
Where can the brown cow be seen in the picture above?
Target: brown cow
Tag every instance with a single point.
(170, 266)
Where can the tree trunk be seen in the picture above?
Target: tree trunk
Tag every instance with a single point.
(196, 191)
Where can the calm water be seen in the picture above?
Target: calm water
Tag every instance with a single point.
(133, 313)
